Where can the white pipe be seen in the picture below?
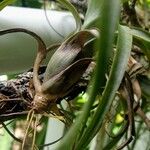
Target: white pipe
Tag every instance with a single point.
(18, 50)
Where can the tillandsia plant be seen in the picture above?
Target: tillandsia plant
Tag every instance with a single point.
(117, 87)
(59, 80)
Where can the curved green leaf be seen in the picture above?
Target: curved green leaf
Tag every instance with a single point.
(104, 47)
(141, 34)
(124, 45)
(93, 13)
(142, 38)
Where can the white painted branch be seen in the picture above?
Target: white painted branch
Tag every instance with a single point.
(18, 50)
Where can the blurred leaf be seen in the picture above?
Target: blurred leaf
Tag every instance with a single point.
(124, 45)
(28, 3)
(104, 48)
(4, 3)
(34, 3)
(93, 13)
(123, 1)
(142, 39)
(141, 34)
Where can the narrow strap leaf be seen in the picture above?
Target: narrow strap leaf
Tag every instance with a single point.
(104, 49)
(120, 61)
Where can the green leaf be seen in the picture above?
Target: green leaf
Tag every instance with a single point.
(142, 39)
(93, 13)
(141, 34)
(123, 1)
(4, 3)
(110, 14)
(120, 61)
